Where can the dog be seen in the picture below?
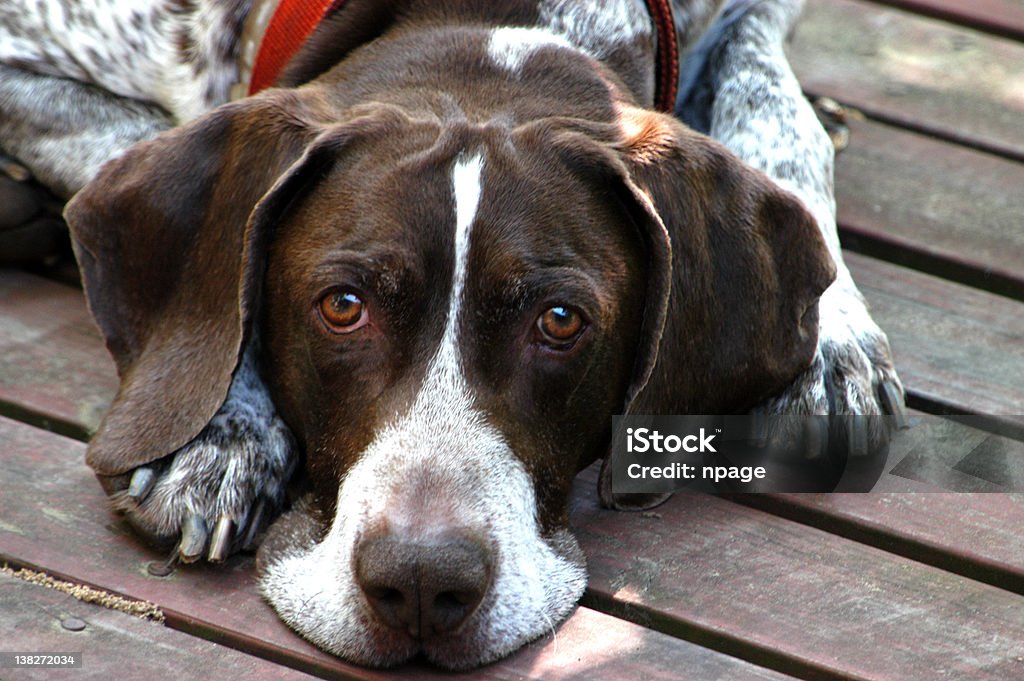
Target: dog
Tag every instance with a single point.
(426, 269)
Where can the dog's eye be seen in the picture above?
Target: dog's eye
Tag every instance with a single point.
(342, 311)
(560, 326)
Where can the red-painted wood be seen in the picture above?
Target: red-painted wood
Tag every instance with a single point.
(952, 211)
(950, 81)
(52, 361)
(1001, 17)
(113, 645)
(984, 541)
(952, 344)
(811, 603)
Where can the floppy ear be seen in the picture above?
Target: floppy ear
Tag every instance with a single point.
(168, 257)
(747, 264)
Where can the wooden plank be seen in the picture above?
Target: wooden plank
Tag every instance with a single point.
(974, 535)
(944, 209)
(953, 345)
(935, 504)
(921, 73)
(798, 599)
(60, 524)
(1000, 17)
(113, 645)
(53, 368)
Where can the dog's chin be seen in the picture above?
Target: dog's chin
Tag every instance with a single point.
(313, 592)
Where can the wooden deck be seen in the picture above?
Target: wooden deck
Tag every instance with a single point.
(905, 585)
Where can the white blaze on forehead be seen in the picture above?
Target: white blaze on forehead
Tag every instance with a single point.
(467, 183)
(445, 370)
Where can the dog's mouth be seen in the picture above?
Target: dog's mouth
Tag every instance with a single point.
(339, 603)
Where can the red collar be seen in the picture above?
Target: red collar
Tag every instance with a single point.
(295, 20)
(666, 74)
(292, 24)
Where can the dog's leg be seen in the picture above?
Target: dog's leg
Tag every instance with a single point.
(63, 130)
(739, 88)
(214, 494)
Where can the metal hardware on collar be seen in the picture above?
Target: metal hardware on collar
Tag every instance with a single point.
(287, 24)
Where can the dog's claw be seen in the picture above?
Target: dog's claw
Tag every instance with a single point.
(255, 523)
(220, 540)
(193, 539)
(143, 480)
(893, 403)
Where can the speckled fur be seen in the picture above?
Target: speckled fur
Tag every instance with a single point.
(65, 130)
(114, 72)
(178, 54)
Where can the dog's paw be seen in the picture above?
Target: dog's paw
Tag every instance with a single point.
(214, 495)
(851, 376)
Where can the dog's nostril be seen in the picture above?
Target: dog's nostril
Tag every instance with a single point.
(452, 607)
(390, 604)
(426, 588)
(384, 595)
(455, 599)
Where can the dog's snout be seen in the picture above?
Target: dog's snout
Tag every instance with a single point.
(425, 587)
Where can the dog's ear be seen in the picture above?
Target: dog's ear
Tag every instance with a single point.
(746, 267)
(169, 238)
(748, 264)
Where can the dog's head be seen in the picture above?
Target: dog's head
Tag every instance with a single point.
(449, 313)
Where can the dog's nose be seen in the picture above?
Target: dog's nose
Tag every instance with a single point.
(426, 587)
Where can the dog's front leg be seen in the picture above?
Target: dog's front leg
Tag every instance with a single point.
(739, 88)
(63, 130)
(214, 494)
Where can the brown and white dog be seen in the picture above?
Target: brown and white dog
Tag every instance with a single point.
(430, 266)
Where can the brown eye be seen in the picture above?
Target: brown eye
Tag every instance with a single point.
(560, 326)
(342, 311)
